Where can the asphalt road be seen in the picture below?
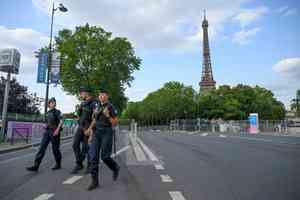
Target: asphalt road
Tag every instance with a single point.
(163, 166)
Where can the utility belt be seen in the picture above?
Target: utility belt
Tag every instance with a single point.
(50, 128)
(53, 127)
(100, 128)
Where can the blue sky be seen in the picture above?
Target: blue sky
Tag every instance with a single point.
(252, 42)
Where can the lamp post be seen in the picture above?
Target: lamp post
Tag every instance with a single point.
(61, 8)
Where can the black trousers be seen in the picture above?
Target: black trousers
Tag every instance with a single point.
(55, 142)
(102, 140)
(80, 146)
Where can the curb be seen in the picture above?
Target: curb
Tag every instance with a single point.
(11, 149)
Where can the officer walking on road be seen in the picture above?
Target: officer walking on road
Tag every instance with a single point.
(54, 122)
(85, 112)
(105, 117)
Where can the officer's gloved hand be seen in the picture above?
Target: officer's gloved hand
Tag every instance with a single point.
(88, 132)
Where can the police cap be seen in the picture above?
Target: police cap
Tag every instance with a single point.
(52, 100)
(103, 90)
(85, 89)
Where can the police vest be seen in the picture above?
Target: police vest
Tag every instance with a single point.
(85, 113)
(53, 118)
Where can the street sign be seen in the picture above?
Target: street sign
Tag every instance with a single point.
(55, 68)
(42, 67)
(10, 60)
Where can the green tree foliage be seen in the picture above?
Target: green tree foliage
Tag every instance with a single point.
(295, 104)
(172, 101)
(91, 57)
(19, 100)
(236, 103)
(175, 101)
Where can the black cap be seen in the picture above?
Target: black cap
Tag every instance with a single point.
(85, 89)
(52, 100)
(102, 90)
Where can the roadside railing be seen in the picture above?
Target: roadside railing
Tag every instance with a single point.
(279, 127)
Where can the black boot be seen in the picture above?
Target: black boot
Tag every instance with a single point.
(116, 174)
(94, 184)
(77, 168)
(33, 168)
(56, 167)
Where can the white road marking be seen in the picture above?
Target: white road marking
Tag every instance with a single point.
(176, 195)
(166, 178)
(120, 151)
(159, 167)
(44, 196)
(139, 154)
(147, 150)
(204, 134)
(72, 180)
(223, 136)
(255, 139)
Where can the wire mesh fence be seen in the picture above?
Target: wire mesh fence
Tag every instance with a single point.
(231, 126)
(24, 117)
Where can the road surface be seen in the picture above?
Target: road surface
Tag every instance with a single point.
(167, 166)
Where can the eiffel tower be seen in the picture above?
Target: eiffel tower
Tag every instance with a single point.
(207, 79)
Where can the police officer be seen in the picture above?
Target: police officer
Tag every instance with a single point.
(54, 122)
(105, 117)
(84, 112)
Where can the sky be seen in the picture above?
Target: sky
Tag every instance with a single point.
(252, 42)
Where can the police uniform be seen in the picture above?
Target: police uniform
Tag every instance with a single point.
(85, 112)
(53, 118)
(102, 139)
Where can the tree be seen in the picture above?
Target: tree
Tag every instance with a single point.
(236, 103)
(172, 101)
(295, 104)
(19, 100)
(92, 58)
(177, 101)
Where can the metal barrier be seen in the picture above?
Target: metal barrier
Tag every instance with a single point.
(217, 126)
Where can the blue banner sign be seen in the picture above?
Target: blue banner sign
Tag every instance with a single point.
(42, 67)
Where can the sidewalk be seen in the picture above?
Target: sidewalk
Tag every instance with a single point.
(6, 147)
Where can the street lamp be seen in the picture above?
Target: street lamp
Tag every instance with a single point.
(61, 8)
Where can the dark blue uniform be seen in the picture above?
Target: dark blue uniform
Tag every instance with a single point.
(52, 121)
(85, 112)
(102, 139)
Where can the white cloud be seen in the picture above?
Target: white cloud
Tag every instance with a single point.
(156, 24)
(248, 16)
(282, 9)
(291, 12)
(27, 41)
(136, 94)
(244, 36)
(289, 68)
(287, 11)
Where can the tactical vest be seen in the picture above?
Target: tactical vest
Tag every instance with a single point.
(53, 118)
(85, 113)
